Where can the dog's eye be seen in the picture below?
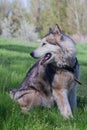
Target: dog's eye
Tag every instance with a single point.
(43, 44)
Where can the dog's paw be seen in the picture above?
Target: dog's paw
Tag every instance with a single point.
(25, 110)
(11, 95)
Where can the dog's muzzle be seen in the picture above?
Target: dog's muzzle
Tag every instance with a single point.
(32, 54)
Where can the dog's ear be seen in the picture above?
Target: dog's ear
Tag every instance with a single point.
(57, 29)
(50, 30)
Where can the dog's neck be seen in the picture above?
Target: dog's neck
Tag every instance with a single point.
(66, 67)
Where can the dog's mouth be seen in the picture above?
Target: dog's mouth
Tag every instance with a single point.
(45, 58)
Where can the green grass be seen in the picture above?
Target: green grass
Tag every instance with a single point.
(15, 61)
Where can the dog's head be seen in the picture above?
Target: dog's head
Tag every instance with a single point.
(50, 45)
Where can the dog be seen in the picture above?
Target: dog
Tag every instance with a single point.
(54, 77)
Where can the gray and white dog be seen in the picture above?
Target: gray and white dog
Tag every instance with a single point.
(53, 78)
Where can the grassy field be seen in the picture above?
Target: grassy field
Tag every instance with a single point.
(15, 61)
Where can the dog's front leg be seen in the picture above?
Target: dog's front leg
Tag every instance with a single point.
(61, 98)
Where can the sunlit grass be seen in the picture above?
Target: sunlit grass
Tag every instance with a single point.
(15, 61)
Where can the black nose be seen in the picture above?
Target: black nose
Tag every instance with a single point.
(32, 54)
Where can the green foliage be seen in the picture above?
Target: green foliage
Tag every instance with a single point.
(14, 63)
(16, 23)
(16, 20)
(71, 15)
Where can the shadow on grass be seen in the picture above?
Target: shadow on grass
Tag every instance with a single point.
(17, 48)
(9, 60)
(82, 102)
(83, 64)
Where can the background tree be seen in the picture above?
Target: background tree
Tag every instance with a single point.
(46, 13)
(77, 16)
(14, 21)
(71, 15)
